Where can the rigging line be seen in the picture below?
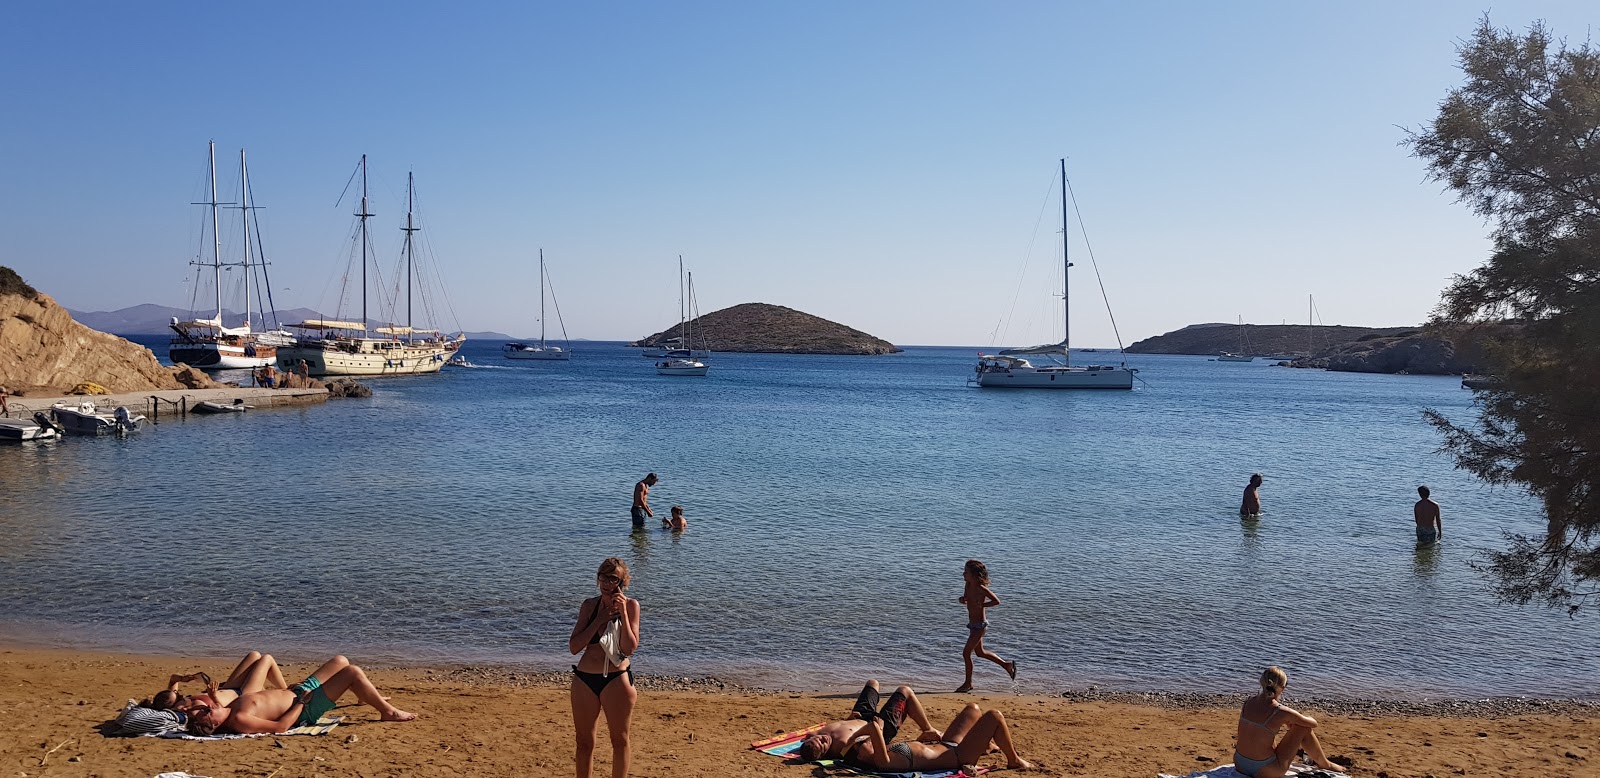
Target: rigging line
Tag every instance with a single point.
(557, 305)
(1096, 265)
(1027, 257)
(261, 252)
(347, 184)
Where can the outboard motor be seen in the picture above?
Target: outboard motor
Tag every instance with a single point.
(124, 419)
(45, 422)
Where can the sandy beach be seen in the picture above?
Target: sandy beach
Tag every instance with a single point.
(483, 721)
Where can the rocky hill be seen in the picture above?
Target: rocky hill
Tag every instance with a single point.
(1292, 340)
(763, 328)
(42, 348)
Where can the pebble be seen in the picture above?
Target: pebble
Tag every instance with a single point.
(353, 739)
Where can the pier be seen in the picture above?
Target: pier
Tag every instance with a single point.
(171, 402)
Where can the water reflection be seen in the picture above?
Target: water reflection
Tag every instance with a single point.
(1425, 563)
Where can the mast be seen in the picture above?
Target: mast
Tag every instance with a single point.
(216, 239)
(244, 211)
(364, 214)
(683, 334)
(1066, 263)
(541, 298)
(408, 229)
(686, 340)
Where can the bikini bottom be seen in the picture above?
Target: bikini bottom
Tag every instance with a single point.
(597, 682)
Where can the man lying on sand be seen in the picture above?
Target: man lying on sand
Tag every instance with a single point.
(862, 739)
(836, 738)
(279, 710)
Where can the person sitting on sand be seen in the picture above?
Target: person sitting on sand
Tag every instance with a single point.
(1254, 753)
(254, 673)
(279, 710)
(962, 743)
(834, 738)
(677, 522)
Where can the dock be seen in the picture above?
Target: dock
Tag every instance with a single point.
(171, 402)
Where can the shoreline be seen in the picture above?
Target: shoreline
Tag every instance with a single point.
(494, 721)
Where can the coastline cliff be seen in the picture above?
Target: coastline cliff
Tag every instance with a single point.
(1411, 350)
(772, 329)
(42, 348)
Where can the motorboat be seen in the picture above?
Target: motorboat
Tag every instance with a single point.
(85, 419)
(459, 361)
(212, 406)
(1009, 368)
(40, 427)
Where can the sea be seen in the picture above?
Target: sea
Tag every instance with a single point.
(832, 502)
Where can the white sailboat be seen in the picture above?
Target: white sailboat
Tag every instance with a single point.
(543, 350)
(343, 348)
(1244, 354)
(207, 343)
(1009, 369)
(686, 364)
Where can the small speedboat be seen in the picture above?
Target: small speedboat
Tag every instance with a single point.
(212, 406)
(40, 427)
(459, 361)
(689, 367)
(84, 419)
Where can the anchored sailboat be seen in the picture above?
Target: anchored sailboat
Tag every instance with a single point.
(343, 347)
(207, 343)
(685, 363)
(1244, 354)
(1009, 369)
(543, 350)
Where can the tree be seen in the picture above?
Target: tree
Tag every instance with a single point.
(1519, 141)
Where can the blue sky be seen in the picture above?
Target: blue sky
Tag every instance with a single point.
(882, 164)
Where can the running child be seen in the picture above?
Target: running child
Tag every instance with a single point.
(977, 597)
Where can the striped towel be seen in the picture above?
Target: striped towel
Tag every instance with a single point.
(1227, 771)
(322, 727)
(787, 746)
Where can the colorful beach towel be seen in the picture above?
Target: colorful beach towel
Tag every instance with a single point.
(787, 746)
(1227, 771)
(322, 727)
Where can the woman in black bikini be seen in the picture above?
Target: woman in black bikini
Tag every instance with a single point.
(603, 679)
(253, 673)
(962, 743)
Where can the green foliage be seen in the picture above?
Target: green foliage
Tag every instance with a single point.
(1519, 141)
(11, 283)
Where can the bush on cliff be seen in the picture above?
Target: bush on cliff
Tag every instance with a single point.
(11, 283)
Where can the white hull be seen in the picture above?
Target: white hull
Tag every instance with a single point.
(23, 430)
(367, 357)
(85, 420)
(554, 354)
(681, 367)
(1234, 358)
(1058, 378)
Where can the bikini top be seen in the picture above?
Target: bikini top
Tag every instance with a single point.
(1262, 723)
(595, 639)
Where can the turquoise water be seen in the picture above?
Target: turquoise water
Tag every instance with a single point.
(831, 501)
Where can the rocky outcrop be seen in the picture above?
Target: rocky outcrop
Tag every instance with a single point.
(1298, 340)
(1425, 352)
(771, 329)
(346, 387)
(41, 347)
(192, 377)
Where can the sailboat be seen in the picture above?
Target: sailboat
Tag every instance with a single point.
(344, 348)
(685, 364)
(543, 350)
(1009, 368)
(1244, 354)
(207, 343)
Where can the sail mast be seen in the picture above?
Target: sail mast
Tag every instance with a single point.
(682, 335)
(216, 238)
(244, 211)
(364, 215)
(1066, 264)
(541, 298)
(689, 344)
(408, 229)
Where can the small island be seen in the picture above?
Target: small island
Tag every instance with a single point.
(1417, 350)
(770, 329)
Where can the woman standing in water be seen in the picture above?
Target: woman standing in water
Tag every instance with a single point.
(1254, 753)
(607, 633)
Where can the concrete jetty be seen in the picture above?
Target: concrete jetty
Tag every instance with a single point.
(172, 402)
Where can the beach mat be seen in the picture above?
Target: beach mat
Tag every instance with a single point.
(787, 746)
(322, 727)
(1227, 771)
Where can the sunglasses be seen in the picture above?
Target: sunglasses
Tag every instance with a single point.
(614, 580)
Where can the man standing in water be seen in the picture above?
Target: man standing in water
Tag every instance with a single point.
(1251, 507)
(641, 500)
(1426, 512)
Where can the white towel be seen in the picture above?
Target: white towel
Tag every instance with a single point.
(1227, 771)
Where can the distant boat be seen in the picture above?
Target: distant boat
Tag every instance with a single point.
(1244, 354)
(212, 406)
(40, 427)
(85, 419)
(342, 348)
(686, 365)
(1474, 381)
(206, 343)
(542, 350)
(1009, 369)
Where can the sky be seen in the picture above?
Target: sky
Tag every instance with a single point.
(889, 165)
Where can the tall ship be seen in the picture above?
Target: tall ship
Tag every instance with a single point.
(1011, 369)
(337, 347)
(207, 343)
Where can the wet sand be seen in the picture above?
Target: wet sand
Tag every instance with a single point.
(478, 721)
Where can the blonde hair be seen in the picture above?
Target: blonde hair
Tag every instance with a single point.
(1273, 679)
(618, 568)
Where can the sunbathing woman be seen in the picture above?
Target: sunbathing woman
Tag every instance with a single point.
(253, 673)
(963, 742)
(1259, 722)
(279, 710)
(833, 739)
(607, 633)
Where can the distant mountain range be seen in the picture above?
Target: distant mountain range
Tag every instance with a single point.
(151, 319)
